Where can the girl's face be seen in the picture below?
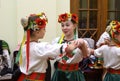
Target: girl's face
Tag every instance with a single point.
(68, 28)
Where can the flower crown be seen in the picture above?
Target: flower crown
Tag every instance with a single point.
(112, 24)
(114, 27)
(34, 21)
(67, 16)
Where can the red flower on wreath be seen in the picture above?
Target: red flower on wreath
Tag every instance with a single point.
(74, 18)
(117, 28)
(63, 17)
(40, 22)
(67, 16)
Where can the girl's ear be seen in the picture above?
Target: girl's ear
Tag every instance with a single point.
(38, 31)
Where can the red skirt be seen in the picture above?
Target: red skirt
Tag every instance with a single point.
(32, 77)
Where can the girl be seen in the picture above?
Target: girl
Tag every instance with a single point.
(34, 54)
(111, 53)
(67, 68)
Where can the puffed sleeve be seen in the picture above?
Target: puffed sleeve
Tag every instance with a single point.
(99, 51)
(102, 38)
(118, 51)
(46, 50)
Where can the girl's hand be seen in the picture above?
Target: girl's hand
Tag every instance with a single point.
(73, 45)
(83, 47)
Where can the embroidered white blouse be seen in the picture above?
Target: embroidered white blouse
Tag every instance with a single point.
(39, 54)
(76, 58)
(102, 38)
(110, 55)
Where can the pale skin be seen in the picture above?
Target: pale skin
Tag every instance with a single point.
(68, 28)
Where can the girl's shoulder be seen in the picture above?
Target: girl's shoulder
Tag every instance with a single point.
(56, 40)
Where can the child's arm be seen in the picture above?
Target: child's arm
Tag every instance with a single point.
(83, 47)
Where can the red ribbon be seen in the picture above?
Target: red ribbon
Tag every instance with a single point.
(27, 48)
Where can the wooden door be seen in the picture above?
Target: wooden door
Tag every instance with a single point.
(113, 10)
(93, 15)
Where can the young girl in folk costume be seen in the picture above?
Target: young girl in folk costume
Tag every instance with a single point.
(67, 68)
(104, 39)
(34, 54)
(111, 53)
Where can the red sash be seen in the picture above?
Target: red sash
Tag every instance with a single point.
(113, 71)
(32, 77)
(68, 67)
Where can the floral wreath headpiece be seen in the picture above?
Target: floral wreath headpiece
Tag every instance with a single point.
(39, 21)
(67, 16)
(113, 27)
(33, 22)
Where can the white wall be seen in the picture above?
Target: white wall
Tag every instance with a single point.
(52, 8)
(11, 11)
(8, 26)
(27, 7)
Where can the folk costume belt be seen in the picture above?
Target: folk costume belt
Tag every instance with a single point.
(68, 67)
(32, 77)
(113, 71)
